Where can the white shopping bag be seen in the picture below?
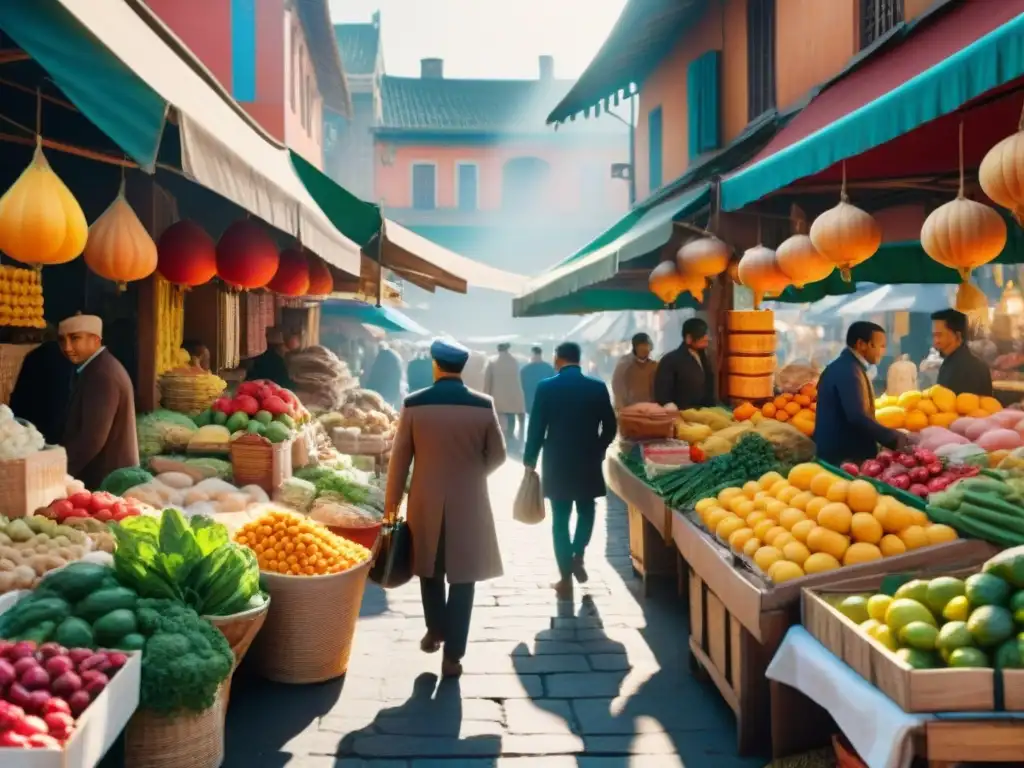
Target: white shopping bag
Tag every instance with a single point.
(529, 504)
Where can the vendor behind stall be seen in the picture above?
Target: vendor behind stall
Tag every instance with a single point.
(633, 379)
(961, 371)
(684, 375)
(845, 427)
(100, 433)
(43, 388)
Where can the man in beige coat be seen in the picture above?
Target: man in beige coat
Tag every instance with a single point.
(452, 435)
(502, 382)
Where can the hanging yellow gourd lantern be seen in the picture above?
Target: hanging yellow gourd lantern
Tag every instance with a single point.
(1001, 173)
(963, 234)
(41, 223)
(799, 260)
(695, 285)
(666, 282)
(119, 248)
(759, 271)
(704, 256)
(846, 235)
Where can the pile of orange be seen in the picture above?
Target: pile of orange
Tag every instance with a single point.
(813, 521)
(290, 544)
(797, 408)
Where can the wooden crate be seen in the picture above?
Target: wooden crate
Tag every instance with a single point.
(738, 621)
(650, 524)
(32, 482)
(257, 461)
(913, 690)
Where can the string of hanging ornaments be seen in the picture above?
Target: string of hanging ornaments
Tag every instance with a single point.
(119, 247)
(798, 259)
(247, 257)
(963, 235)
(759, 271)
(1001, 173)
(846, 235)
(186, 255)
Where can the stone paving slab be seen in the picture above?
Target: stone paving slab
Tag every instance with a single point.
(600, 682)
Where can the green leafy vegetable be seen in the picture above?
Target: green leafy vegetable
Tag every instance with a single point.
(344, 483)
(185, 658)
(192, 561)
(121, 480)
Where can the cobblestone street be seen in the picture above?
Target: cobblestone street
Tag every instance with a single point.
(601, 683)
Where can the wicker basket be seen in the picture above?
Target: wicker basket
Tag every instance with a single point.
(11, 358)
(192, 740)
(240, 629)
(308, 635)
(32, 482)
(257, 461)
(364, 534)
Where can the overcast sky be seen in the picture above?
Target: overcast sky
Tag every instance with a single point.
(487, 38)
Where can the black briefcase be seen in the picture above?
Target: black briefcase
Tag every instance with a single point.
(393, 565)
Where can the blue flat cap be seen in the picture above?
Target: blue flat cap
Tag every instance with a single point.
(449, 351)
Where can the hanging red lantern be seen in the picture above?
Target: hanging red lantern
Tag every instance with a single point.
(292, 276)
(246, 256)
(321, 281)
(186, 255)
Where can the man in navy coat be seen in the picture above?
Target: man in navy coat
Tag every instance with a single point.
(573, 421)
(845, 426)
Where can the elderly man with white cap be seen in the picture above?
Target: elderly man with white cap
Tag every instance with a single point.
(452, 435)
(100, 433)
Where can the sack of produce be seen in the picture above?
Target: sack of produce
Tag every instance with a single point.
(296, 493)
(792, 377)
(321, 379)
(529, 503)
(17, 440)
(336, 513)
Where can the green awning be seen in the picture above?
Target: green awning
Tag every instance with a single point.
(992, 60)
(104, 89)
(634, 236)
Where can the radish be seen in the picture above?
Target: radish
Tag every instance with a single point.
(21, 650)
(43, 741)
(13, 739)
(78, 701)
(907, 460)
(78, 655)
(872, 468)
(49, 650)
(96, 661)
(31, 725)
(59, 721)
(9, 714)
(58, 665)
(38, 700)
(900, 481)
(56, 704)
(94, 682)
(117, 660)
(919, 475)
(885, 458)
(850, 468)
(7, 673)
(919, 489)
(937, 484)
(17, 694)
(935, 468)
(66, 685)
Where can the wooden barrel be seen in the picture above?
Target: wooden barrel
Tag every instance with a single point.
(751, 358)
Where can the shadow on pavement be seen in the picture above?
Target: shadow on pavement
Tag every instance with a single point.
(295, 708)
(375, 601)
(427, 726)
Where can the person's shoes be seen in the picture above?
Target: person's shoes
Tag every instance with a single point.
(563, 589)
(430, 643)
(578, 571)
(450, 669)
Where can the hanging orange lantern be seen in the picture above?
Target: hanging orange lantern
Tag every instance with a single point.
(800, 261)
(704, 256)
(246, 256)
(846, 235)
(186, 255)
(759, 271)
(666, 282)
(119, 247)
(1001, 173)
(41, 222)
(292, 276)
(321, 281)
(963, 234)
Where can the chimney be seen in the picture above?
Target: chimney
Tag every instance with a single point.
(432, 69)
(547, 67)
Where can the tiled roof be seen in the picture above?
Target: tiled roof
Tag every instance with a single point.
(358, 44)
(484, 106)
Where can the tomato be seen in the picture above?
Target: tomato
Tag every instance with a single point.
(78, 512)
(123, 513)
(104, 515)
(80, 499)
(102, 500)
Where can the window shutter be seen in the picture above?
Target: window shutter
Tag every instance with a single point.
(703, 103)
(654, 139)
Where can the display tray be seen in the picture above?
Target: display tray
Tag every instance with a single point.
(98, 727)
(748, 595)
(913, 690)
(636, 493)
(32, 482)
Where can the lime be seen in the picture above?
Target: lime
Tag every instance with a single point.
(919, 635)
(916, 589)
(957, 609)
(953, 635)
(968, 657)
(941, 590)
(990, 625)
(855, 608)
(885, 636)
(917, 658)
(986, 589)
(903, 611)
(877, 605)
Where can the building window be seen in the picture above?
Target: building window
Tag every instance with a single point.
(877, 17)
(424, 186)
(243, 50)
(702, 100)
(654, 148)
(467, 177)
(760, 57)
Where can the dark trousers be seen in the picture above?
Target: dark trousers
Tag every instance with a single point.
(571, 546)
(447, 617)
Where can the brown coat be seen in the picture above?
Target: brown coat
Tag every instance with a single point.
(452, 435)
(100, 433)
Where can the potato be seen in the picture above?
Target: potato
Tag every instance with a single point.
(5, 540)
(64, 552)
(44, 549)
(43, 563)
(77, 551)
(232, 502)
(178, 480)
(10, 553)
(24, 577)
(7, 565)
(8, 581)
(62, 541)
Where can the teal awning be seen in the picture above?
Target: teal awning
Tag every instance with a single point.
(388, 318)
(635, 235)
(990, 61)
(104, 89)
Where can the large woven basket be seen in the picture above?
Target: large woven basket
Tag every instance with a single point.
(308, 634)
(192, 740)
(239, 629)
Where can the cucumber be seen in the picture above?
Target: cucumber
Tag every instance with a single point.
(75, 581)
(18, 620)
(104, 601)
(40, 633)
(114, 625)
(74, 632)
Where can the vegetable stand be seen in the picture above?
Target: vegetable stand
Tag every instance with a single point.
(650, 522)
